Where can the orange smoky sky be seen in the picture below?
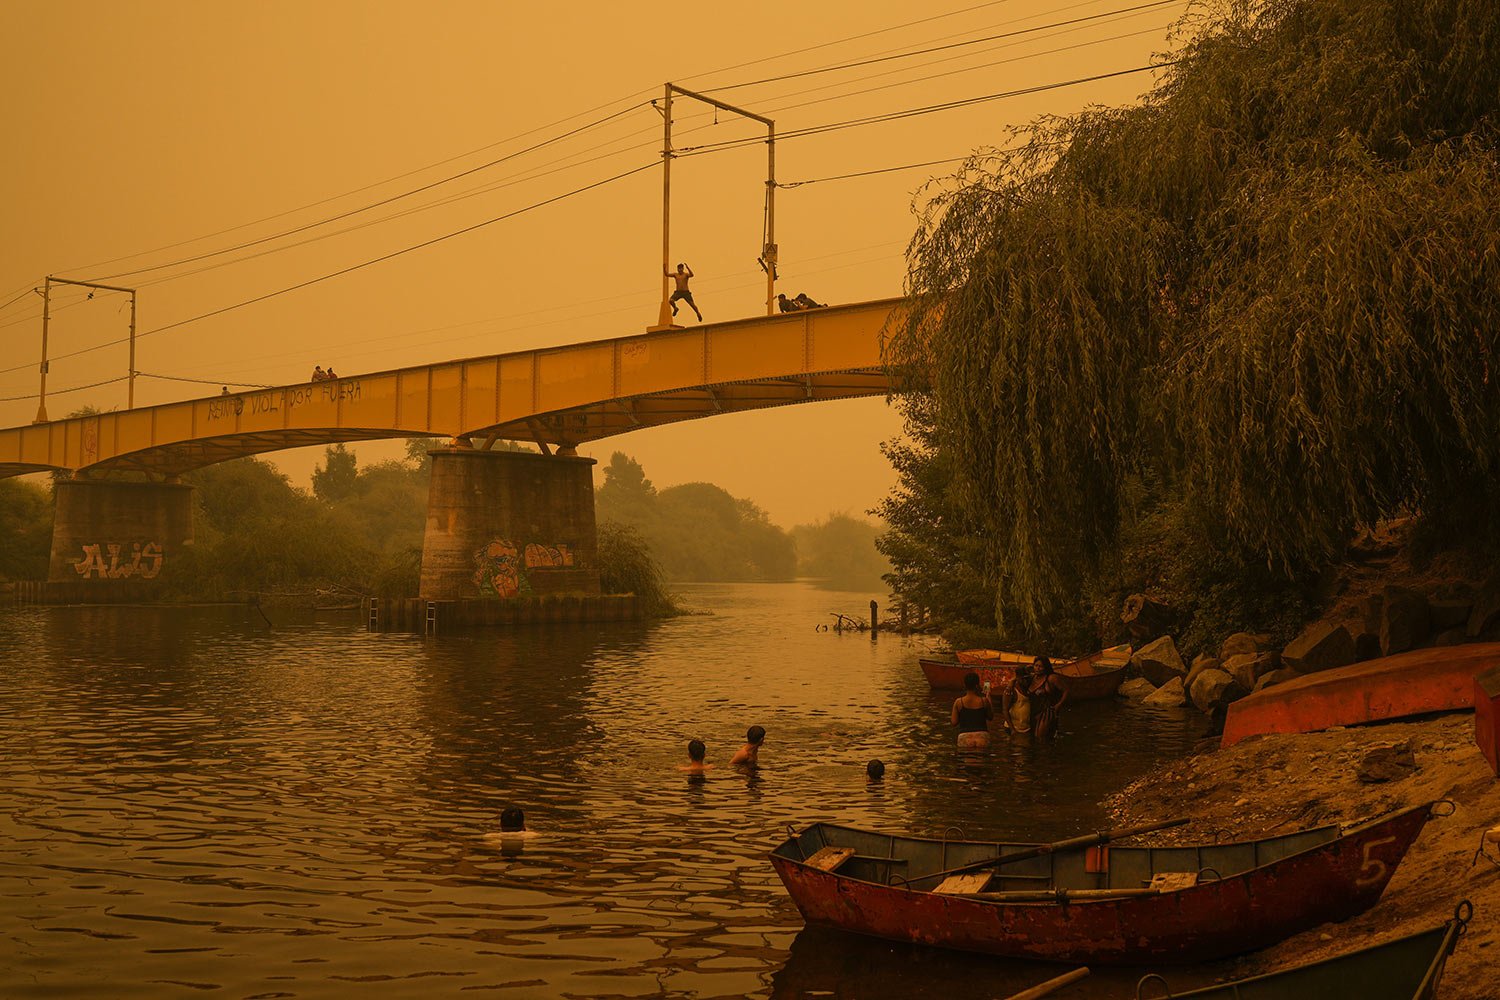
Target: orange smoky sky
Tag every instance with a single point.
(171, 130)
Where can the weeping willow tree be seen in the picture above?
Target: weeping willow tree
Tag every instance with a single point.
(1269, 292)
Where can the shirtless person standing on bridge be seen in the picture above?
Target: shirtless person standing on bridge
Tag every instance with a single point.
(681, 277)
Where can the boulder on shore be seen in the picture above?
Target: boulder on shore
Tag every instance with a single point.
(1404, 620)
(1276, 677)
(1321, 646)
(1486, 610)
(1169, 695)
(1159, 661)
(1450, 637)
(1366, 646)
(1388, 763)
(1247, 668)
(1449, 613)
(1137, 688)
(1215, 689)
(1243, 642)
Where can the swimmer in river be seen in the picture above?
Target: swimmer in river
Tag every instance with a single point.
(749, 754)
(696, 752)
(512, 831)
(875, 771)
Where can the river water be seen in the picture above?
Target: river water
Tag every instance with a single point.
(197, 804)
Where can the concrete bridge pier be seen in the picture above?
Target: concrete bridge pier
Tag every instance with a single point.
(504, 524)
(105, 532)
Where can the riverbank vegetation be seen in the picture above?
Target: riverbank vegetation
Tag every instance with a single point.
(1194, 345)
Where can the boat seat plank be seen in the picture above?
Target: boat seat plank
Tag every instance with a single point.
(1173, 881)
(829, 858)
(961, 885)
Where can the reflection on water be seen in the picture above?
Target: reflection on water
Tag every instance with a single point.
(194, 802)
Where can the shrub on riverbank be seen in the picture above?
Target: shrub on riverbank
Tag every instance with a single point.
(1194, 344)
(626, 566)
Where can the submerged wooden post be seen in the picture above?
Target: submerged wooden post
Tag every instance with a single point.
(874, 619)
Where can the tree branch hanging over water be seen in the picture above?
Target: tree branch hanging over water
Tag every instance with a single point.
(1271, 291)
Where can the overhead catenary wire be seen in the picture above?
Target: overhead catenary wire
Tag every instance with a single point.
(924, 110)
(205, 381)
(64, 392)
(355, 267)
(940, 48)
(377, 204)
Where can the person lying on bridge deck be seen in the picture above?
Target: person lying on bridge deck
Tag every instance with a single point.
(804, 301)
(682, 276)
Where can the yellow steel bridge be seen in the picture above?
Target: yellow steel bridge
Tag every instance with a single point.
(559, 397)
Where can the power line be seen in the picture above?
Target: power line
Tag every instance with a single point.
(954, 72)
(914, 112)
(847, 38)
(354, 267)
(942, 48)
(64, 392)
(204, 381)
(377, 204)
(359, 190)
(867, 173)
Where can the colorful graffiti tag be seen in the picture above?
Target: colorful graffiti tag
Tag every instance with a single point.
(501, 566)
(144, 561)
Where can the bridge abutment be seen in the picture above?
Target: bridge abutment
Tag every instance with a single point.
(107, 534)
(509, 524)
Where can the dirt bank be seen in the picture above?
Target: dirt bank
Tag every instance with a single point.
(1272, 784)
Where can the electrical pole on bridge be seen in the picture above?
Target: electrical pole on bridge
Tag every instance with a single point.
(768, 250)
(47, 283)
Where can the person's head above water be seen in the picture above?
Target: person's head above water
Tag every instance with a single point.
(755, 734)
(875, 769)
(971, 682)
(696, 751)
(1042, 665)
(512, 820)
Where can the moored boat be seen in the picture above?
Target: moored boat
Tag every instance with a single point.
(1098, 675)
(1390, 687)
(1106, 905)
(1406, 968)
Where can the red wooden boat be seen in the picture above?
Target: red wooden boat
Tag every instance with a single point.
(1235, 897)
(1098, 675)
(1391, 687)
(1487, 716)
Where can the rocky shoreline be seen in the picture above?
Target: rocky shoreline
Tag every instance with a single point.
(1272, 784)
(1393, 620)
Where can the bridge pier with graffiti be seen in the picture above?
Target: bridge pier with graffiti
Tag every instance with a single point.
(501, 524)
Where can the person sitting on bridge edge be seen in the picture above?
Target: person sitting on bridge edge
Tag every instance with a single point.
(318, 375)
(684, 273)
(329, 375)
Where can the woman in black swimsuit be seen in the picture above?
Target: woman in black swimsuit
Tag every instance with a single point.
(972, 713)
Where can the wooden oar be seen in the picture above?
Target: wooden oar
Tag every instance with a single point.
(1056, 983)
(1057, 895)
(1073, 844)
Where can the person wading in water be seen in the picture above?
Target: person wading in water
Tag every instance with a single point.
(972, 714)
(1016, 703)
(683, 275)
(1047, 696)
